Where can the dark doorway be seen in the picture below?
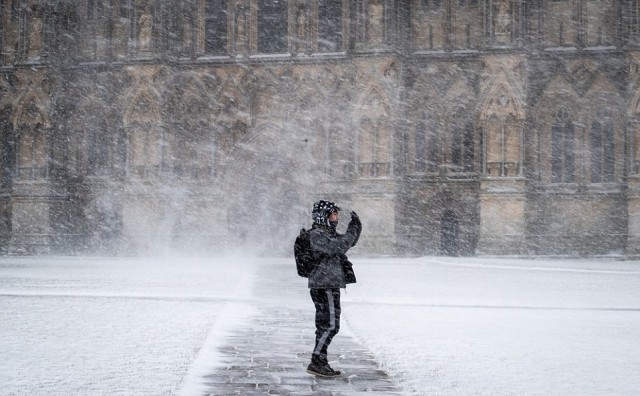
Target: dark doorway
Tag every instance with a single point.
(449, 230)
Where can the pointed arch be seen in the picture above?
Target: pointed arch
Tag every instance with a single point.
(501, 116)
(563, 147)
(557, 131)
(143, 108)
(422, 147)
(372, 100)
(7, 147)
(602, 85)
(558, 90)
(633, 110)
(308, 108)
(460, 91)
(267, 103)
(31, 123)
(230, 104)
(30, 112)
(92, 136)
(459, 137)
(145, 134)
(190, 143)
(633, 115)
(186, 97)
(604, 135)
(501, 102)
(374, 134)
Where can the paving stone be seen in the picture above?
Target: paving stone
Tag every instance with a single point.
(269, 355)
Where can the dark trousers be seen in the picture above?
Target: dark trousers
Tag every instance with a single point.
(327, 302)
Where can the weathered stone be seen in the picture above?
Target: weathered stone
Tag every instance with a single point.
(126, 130)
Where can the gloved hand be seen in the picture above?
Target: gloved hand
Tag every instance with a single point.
(356, 219)
(356, 225)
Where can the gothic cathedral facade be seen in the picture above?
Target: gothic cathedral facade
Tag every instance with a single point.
(453, 127)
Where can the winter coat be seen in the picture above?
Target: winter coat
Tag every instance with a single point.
(332, 247)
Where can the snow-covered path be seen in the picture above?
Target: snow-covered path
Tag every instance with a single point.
(268, 353)
(81, 326)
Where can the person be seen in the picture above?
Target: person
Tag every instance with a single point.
(327, 278)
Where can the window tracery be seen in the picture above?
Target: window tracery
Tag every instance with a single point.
(563, 148)
(602, 149)
(461, 142)
(272, 27)
(215, 27)
(330, 26)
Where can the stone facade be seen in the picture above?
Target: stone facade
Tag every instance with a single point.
(454, 127)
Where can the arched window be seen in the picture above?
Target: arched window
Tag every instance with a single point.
(421, 148)
(145, 149)
(433, 143)
(32, 156)
(602, 150)
(429, 22)
(14, 10)
(215, 27)
(467, 25)
(146, 140)
(8, 148)
(329, 25)
(94, 43)
(562, 148)
(426, 149)
(124, 8)
(2, 32)
(375, 22)
(456, 146)
(10, 30)
(562, 29)
(374, 148)
(272, 26)
(467, 151)
(95, 10)
(461, 143)
(339, 163)
(97, 149)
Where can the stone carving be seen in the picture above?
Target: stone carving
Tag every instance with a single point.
(300, 42)
(375, 22)
(239, 28)
(503, 23)
(35, 33)
(145, 23)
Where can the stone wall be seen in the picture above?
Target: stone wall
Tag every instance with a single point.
(455, 128)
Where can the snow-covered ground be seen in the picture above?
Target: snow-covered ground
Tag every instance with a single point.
(86, 326)
(445, 326)
(502, 326)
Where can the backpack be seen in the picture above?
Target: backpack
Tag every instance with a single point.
(304, 255)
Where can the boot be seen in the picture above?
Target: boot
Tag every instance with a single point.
(320, 368)
(325, 362)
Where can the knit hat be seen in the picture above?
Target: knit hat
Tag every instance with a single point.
(322, 210)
